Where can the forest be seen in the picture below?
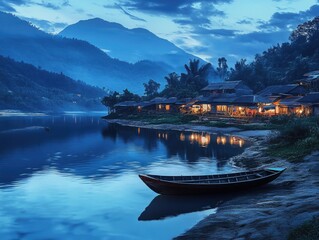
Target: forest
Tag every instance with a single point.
(25, 87)
(284, 63)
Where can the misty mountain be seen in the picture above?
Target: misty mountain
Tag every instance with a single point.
(129, 45)
(25, 87)
(75, 58)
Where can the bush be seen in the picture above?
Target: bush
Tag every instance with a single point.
(307, 231)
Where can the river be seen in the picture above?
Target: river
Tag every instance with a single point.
(74, 176)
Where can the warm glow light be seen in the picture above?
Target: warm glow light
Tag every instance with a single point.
(218, 140)
(139, 131)
(182, 137)
(241, 142)
(167, 107)
(223, 139)
(202, 139)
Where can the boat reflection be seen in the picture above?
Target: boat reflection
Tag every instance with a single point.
(164, 206)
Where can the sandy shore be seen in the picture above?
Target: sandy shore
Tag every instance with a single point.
(269, 212)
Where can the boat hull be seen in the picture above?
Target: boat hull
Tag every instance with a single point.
(178, 188)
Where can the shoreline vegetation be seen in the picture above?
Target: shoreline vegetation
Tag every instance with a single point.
(289, 141)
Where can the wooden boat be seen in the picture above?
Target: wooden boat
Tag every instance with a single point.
(210, 184)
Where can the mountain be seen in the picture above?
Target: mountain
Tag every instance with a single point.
(284, 63)
(76, 58)
(25, 87)
(131, 45)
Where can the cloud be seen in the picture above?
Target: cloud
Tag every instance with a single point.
(286, 21)
(130, 15)
(217, 32)
(167, 7)
(7, 5)
(245, 21)
(189, 13)
(49, 5)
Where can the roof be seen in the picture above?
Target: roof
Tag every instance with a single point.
(291, 101)
(162, 100)
(222, 100)
(251, 99)
(221, 85)
(282, 89)
(312, 97)
(126, 104)
(184, 101)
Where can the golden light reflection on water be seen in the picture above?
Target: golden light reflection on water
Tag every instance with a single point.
(202, 139)
(231, 139)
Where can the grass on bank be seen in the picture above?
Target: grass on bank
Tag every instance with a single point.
(156, 119)
(175, 118)
(296, 138)
(307, 231)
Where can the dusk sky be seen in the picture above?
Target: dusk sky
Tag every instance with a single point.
(206, 28)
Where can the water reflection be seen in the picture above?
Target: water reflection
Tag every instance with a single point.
(163, 206)
(79, 171)
(188, 146)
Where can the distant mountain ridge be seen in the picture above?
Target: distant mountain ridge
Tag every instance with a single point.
(131, 45)
(25, 87)
(75, 58)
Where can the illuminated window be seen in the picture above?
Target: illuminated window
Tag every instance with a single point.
(167, 107)
(221, 108)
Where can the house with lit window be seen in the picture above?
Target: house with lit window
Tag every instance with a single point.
(310, 104)
(235, 88)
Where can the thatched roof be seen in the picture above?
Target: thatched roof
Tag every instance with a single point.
(251, 99)
(293, 89)
(222, 85)
(126, 104)
(312, 97)
(291, 101)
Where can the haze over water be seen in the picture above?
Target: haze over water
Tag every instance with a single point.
(75, 176)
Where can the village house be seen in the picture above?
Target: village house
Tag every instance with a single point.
(236, 88)
(233, 99)
(310, 103)
(250, 106)
(310, 81)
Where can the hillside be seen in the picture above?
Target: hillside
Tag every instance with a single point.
(25, 87)
(131, 45)
(284, 63)
(75, 58)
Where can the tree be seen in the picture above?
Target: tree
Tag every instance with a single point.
(173, 80)
(151, 88)
(222, 69)
(196, 77)
(110, 100)
(305, 30)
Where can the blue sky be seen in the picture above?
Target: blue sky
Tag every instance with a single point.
(207, 28)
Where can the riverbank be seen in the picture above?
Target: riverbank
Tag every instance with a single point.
(270, 212)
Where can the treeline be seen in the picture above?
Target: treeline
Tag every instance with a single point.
(25, 87)
(185, 85)
(284, 63)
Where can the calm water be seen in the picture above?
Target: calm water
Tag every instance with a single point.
(75, 177)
